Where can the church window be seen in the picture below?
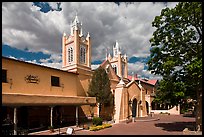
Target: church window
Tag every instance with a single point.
(115, 68)
(70, 54)
(82, 54)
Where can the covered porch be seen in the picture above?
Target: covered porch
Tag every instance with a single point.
(35, 110)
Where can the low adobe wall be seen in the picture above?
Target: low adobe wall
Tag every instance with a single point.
(173, 111)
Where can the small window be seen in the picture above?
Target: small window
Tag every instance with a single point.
(70, 54)
(82, 54)
(55, 81)
(115, 68)
(4, 75)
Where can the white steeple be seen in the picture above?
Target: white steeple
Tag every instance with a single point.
(64, 34)
(76, 20)
(81, 34)
(140, 84)
(125, 56)
(116, 49)
(133, 76)
(109, 57)
(76, 25)
(88, 36)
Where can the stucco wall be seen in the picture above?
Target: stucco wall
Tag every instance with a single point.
(147, 87)
(17, 71)
(134, 92)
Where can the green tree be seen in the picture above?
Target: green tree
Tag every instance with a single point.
(176, 53)
(100, 88)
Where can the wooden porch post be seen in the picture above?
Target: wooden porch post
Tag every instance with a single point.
(77, 116)
(51, 116)
(15, 121)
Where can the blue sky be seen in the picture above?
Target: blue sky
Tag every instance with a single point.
(33, 31)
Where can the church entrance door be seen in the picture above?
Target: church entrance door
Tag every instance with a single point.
(134, 107)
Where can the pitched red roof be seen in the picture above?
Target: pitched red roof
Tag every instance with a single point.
(130, 77)
(150, 81)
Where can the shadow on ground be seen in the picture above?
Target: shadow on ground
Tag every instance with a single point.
(177, 126)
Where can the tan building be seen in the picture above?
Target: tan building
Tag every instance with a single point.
(39, 96)
(131, 97)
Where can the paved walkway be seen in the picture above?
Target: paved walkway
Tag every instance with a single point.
(56, 131)
(159, 125)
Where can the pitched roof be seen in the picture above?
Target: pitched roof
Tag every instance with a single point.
(39, 65)
(130, 77)
(150, 81)
(112, 72)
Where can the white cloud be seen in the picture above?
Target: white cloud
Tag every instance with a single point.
(94, 66)
(24, 26)
(12, 57)
(135, 67)
(138, 68)
(56, 65)
(31, 61)
(56, 61)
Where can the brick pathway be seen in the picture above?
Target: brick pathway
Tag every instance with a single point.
(166, 125)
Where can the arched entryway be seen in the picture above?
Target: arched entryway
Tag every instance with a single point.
(134, 107)
(147, 107)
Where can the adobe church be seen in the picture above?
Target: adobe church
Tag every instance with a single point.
(129, 96)
(36, 96)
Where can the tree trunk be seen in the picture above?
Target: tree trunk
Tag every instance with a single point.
(199, 112)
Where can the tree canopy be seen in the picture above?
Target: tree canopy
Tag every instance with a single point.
(176, 54)
(176, 51)
(100, 87)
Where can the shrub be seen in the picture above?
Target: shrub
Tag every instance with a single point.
(96, 128)
(93, 128)
(107, 125)
(97, 121)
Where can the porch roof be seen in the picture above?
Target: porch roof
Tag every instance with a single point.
(17, 99)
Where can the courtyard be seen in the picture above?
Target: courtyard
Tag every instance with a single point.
(160, 124)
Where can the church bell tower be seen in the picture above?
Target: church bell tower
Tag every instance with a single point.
(76, 49)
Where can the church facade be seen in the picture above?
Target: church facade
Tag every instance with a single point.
(39, 96)
(131, 99)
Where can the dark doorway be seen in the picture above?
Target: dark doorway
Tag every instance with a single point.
(23, 117)
(134, 108)
(153, 105)
(56, 116)
(147, 107)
